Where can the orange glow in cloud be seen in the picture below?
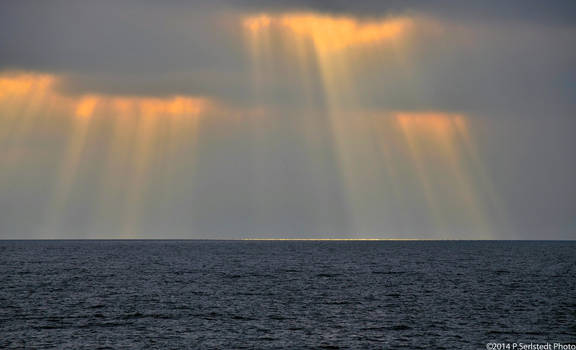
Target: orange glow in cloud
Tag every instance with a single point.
(85, 107)
(331, 33)
(431, 126)
(21, 84)
(21, 88)
(257, 23)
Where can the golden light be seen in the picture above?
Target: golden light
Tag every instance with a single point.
(439, 146)
(329, 32)
(25, 88)
(85, 107)
(256, 23)
(336, 239)
(330, 51)
(20, 84)
(374, 154)
(29, 100)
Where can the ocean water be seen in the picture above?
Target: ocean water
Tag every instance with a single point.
(285, 295)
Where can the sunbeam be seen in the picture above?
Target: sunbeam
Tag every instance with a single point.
(331, 51)
(135, 143)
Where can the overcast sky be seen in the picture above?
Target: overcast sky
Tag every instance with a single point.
(237, 119)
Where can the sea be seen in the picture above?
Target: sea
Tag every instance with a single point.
(191, 294)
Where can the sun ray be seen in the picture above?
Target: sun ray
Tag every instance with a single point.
(133, 123)
(439, 160)
(331, 46)
(336, 47)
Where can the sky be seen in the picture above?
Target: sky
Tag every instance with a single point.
(233, 119)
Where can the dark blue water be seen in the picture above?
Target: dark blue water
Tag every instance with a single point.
(285, 295)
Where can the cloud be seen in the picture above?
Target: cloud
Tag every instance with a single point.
(183, 48)
(177, 47)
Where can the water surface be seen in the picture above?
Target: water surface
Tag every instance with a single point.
(285, 295)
